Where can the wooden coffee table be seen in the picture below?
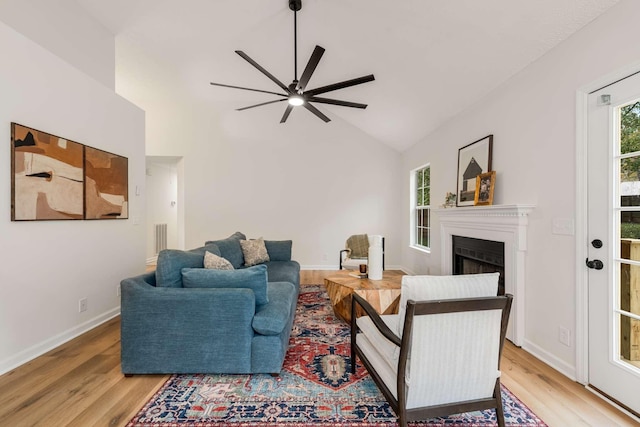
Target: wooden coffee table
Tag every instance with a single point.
(383, 295)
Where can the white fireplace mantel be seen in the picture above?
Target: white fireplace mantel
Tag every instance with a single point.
(499, 223)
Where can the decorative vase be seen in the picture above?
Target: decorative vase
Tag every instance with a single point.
(375, 258)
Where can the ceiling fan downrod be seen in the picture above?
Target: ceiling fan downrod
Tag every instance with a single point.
(295, 6)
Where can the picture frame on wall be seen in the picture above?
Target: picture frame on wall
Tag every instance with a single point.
(54, 178)
(47, 178)
(106, 185)
(485, 184)
(473, 159)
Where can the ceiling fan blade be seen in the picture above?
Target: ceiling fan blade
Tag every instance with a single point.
(317, 112)
(262, 70)
(340, 85)
(337, 102)
(310, 68)
(259, 105)
(248, 88)
(285, 116)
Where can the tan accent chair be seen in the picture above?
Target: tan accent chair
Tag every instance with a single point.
(355, 251)
(440, 354)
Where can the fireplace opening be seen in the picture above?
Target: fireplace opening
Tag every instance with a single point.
(474, 256)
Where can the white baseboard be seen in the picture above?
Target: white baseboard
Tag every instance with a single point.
(404, 269)
(319, 267)
(559, 365)
(56, 341)
(153, 260)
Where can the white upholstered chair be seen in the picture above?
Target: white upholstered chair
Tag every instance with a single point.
(441, 354)
(355, 251)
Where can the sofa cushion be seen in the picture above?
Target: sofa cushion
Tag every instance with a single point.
(238, 235)
(254, 278)
(170, 264)
(215, 262)
(230, 248)
(211, 247)
(283, 271)
(271, 318)
(389, 352)
(254, 251)
(279, 250)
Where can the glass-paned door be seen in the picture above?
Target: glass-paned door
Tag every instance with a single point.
(614, 241)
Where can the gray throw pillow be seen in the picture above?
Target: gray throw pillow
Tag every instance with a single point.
(254, 251)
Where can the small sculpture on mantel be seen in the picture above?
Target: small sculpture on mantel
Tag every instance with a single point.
(449, 200)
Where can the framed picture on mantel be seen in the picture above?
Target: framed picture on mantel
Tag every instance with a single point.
(473, 160)
(485, 183)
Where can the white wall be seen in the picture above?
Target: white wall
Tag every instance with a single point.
(308, 181)
(48, 266)
(65, 29)
(533, 120)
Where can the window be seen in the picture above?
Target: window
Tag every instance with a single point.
(421, 209)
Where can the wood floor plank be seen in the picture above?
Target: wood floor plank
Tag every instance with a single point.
(120, 402)
(554, 397)
(34, 384)
(80, 384)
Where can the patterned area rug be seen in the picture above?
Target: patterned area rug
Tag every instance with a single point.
(314, 388)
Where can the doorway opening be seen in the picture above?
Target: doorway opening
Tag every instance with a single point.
(165, 213)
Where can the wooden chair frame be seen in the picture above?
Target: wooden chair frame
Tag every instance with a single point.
(422, 308)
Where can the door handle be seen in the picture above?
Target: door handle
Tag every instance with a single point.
(596, 263)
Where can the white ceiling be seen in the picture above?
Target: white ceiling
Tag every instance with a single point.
(431, 58)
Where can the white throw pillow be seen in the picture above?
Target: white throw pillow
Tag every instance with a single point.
(213, 261)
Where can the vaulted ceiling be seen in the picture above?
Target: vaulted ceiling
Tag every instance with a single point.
(431, 59)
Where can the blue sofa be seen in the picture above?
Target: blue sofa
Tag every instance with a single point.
(183, 318)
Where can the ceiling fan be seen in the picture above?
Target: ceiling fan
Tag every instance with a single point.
(296, 93)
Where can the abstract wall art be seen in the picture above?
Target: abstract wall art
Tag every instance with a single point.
(106, 185)
(46, 176)
(54, 178)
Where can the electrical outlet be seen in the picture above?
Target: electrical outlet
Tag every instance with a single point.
(324, 257)
(82, 305)
(564, 226)
(564, 336)
(117, 290)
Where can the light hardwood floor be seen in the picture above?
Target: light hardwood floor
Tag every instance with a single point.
(80, 384)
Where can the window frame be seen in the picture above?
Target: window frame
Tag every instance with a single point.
(413, 210)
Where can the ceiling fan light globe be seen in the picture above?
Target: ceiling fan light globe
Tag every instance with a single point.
(296, 100)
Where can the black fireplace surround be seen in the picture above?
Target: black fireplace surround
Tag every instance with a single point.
(473, 256)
